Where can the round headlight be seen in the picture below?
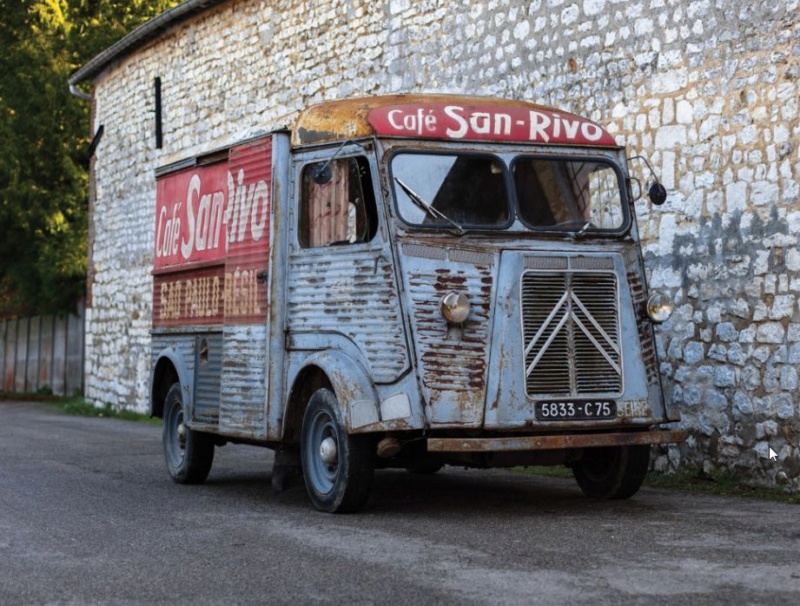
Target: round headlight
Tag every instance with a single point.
(659, 307)
(455, 307)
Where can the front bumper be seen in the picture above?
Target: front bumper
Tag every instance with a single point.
(557, 442)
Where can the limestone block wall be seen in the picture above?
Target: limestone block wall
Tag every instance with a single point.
(706, 90)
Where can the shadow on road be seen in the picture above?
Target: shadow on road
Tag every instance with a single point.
(451, 492)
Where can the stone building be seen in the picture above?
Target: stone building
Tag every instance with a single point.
(706, 90)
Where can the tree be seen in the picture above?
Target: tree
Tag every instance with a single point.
(44, 139)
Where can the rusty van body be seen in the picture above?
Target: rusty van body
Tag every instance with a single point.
(408, 281)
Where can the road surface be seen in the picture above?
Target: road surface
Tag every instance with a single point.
(88, 515)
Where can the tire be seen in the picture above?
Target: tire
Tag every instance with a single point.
(612, 473)
(341, 482)
(189, 454)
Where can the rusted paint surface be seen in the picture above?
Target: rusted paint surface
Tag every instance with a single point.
(644, 325)
(554, 442)
(349, 118)
(212, 231)
(452, 360)
(349, 291)
(194, 296)
(243, 395)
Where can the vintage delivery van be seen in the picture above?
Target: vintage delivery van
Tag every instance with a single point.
(408, 281)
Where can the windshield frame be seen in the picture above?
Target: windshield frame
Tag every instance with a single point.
(612, 157)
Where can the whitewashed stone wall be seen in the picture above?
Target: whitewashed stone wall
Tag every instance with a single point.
(707, 90)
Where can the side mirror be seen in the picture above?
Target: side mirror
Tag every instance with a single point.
(657, 194)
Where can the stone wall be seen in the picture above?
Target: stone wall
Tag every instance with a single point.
(706, 90)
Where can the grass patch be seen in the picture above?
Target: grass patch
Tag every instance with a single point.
(723, 483)
(80, 407)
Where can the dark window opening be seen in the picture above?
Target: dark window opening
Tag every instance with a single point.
(341, 210)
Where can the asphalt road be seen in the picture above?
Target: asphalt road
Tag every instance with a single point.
(88, 515)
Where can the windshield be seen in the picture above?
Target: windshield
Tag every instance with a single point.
(464, 189)
(489, 192)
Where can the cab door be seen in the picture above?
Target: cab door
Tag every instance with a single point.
(342, 290)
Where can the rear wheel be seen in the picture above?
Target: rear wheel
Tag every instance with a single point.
(612, 473)
(189, 454)
(337, 467)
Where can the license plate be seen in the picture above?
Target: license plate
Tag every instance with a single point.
(576, 411)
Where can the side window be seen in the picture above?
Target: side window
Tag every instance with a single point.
(337, 205)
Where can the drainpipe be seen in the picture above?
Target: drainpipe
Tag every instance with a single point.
(79, 93)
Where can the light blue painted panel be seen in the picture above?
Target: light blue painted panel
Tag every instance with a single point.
(349, 291)
(243, 395)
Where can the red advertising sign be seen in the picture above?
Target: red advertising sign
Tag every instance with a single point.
(487, 123)
(212, 240)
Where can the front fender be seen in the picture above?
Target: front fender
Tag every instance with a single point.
(352, 385)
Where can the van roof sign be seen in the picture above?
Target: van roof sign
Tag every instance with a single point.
(486, 123)
(448, 118)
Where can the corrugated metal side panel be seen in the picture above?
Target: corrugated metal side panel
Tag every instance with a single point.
(243, 395)
(452, 360)
(208, 361)
(194, 296)
(248, 215)
(353, 293)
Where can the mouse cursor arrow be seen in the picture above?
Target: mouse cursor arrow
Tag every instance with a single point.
(773, 456)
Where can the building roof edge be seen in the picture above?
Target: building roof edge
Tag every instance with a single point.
(141, 35)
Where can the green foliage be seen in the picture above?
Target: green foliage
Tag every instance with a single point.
(44, 140)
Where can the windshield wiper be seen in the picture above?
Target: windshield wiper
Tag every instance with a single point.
(582, 231)
(430, 210)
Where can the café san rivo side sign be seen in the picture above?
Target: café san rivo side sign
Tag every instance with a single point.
(212, 233)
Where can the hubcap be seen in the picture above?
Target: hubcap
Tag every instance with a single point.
(182, 435)
(175, 434)
(328, 451)
(321, 452)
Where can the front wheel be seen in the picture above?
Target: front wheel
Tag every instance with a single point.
(337, 467)
(189, 454)
(612, 473)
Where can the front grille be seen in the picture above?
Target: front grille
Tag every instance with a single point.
(570, 328)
